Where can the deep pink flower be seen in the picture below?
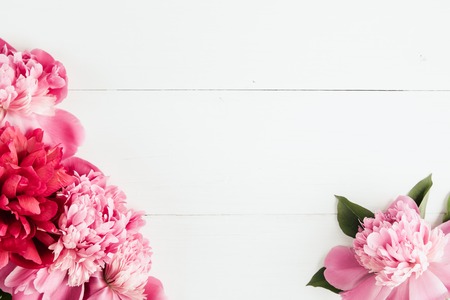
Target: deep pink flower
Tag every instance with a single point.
(92, 226)
(30, 176)
(31, 84)
(395, 255)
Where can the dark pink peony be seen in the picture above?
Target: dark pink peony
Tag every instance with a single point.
(31, 84)
(30, 176)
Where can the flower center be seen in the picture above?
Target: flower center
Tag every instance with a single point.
(395, 251)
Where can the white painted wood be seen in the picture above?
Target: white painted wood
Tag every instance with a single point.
(242, 257)
(239, 44)
(266, 152)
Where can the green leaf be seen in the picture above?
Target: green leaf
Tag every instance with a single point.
(318, 280)
(5, 296)
(419, 193)
(447, 214)
(351, 215)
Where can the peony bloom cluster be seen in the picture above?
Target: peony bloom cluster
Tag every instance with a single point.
(64, 232)
(395, 255)
(31, 84)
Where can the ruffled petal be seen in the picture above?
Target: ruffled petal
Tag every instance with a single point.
(368, 289)
(62, 128)
(407, 200)
(342, 270)
(427, 286)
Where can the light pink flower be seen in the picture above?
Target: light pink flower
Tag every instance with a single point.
(92, 227)
(31, 84)
(126, 276)
(30, 174)
(395, 255)
(38, 284)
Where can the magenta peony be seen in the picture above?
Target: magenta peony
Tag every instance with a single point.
(31, 84)
(30, 176)
(395, 255)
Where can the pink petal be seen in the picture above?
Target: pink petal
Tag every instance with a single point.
(97, 288)
(400, 292)
(4, 272)
(19, 276)
(63, 128)
(3, 43)
(427, 286)
(445, 227)
(442, 271)
(368, 289)
(407, 200)
(4, 258)
(68, 292)
(81, 166)
(29, 204)
(154, 289)
(48, 281)
(342, 270)
(33, 296)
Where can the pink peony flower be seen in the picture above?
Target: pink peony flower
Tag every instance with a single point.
(38, 284)
(395, 255)
(126, 276)
(92, 226)
(30, 176)
(31, 84)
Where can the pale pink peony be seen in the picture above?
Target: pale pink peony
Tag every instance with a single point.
(92, 226)
(395, 255)
(30, 176)
(126, 276)
(31, 84)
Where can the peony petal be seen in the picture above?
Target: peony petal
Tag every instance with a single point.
(400, 292)
(426, 286)
(63, 128)
(445, 227)
(20, 276)
(33, 296)
(81, 166)
(368, 289)
(342, 270)
(10, 186)
(49, 282)
(4, 272)
(29, 204)
(407, 200)
(3, 43)
(4, 258)
(442, 272)
(97, 288)
(154, 289)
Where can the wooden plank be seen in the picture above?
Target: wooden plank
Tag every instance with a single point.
(266, 152)
(236, 44)
(242, 257)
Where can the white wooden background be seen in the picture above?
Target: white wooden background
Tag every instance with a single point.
(233, 123)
